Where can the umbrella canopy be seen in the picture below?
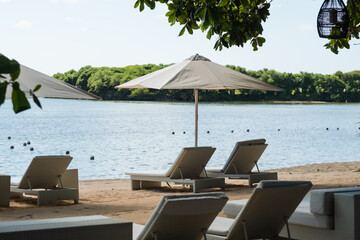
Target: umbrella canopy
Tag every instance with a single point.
(198, 73)
(50, 87)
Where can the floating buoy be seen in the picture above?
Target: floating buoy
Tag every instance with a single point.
(31, 149)
(9, 137)
(173, 133)
(24, 144)
(28, 142)
(279, 130)
(327, 128)
(11, 147)
(92, 158)
(184, 132)
(337, 129)
(67, 152)
(232, 131)
(248, 130)
(208, 131)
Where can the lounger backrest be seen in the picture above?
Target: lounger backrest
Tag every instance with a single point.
(44, 172)
(265, 212)
(244, 156)
(190, 162)
(183, 216)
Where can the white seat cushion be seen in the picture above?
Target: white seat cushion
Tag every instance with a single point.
(301, 216)
(322, 200)
(232, 208)
(137, 228)
(220, 226)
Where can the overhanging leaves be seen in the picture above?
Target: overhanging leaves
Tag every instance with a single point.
(234, 22)
(3, 86)
(19, 101)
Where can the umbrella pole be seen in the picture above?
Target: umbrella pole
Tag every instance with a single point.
(196, 92)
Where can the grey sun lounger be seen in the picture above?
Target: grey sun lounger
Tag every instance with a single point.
(47, 178)
(264, 214)
(92, 227)
(181, 217)
(186, 170)
(323, 214)
(241, 162)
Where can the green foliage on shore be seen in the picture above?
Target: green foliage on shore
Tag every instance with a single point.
(338, 87)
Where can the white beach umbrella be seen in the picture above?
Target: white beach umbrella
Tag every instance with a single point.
(50, 87)
(198, 73)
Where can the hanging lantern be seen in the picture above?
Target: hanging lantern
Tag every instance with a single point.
(333, 20)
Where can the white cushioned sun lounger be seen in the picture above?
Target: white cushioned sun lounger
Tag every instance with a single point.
(264, 214)
(181, 217)
(186, 170)
(324, 214)
(93, 227)
(241, 162)
(44, 179)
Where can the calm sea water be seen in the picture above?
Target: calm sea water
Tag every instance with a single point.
(127, 136)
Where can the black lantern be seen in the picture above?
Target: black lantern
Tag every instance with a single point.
(333, 20)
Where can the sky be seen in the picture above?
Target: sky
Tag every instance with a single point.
(54, 36)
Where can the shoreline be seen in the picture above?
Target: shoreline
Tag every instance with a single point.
(113, 197)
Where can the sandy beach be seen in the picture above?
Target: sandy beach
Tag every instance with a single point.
(114, 198)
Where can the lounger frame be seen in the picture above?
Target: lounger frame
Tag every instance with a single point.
(264, 215)
(249, 153)
(187, 169)
(142, 182)
(181, 217)
(69, 190)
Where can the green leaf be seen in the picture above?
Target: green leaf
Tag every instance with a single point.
(20, 103)
(36, 100)
(142, 6)
(171, 6)
(150, 4)
(261, 41)
(8, 66)
(223, 3)
(137, 3)
(188, 27)
(37, 88)
(3, 86)
(182, 31)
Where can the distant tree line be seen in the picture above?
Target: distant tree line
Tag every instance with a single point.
(338, 87)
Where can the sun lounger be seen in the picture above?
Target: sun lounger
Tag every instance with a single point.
(241, 162)
(264, 214)
(75, 228)
(186, 170)
(48, 179)
(181, 217)
(324, 214)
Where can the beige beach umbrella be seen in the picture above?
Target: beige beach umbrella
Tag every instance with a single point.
(50, 87)
(198, 73)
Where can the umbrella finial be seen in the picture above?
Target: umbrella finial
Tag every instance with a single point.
(197, 57)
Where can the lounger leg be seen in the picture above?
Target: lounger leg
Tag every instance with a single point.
(250, 182)
(287, 227)
(154, 236)
(245, 232)
(204, 233)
